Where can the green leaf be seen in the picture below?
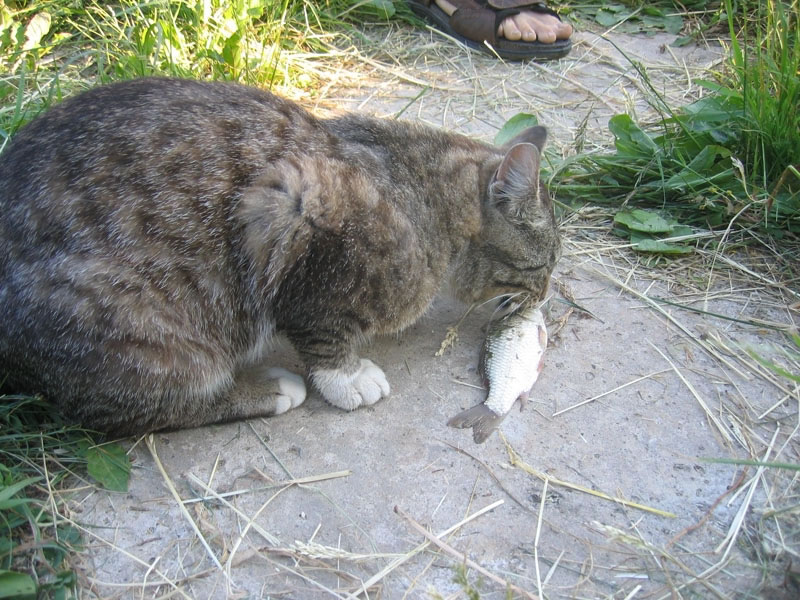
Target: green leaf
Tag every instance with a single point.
(682, 41)
(110, 466)
(37, 28)
(714, 109)
(62, 588)
(652, 11)
(16, 585)
(700, 171)
(659, 247)
(629, 139)
(232, 51)
(385, 8)
(513, 127)
(673, 24)
(55, 552)
(775, 368)
(643, 220)
(680, 230)
(7, 493)
(607, 18)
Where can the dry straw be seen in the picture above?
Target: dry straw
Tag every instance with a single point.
(419, 76)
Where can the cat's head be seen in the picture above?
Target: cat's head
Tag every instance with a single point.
(518, 244)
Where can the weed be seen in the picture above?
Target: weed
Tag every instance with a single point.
(38, 452)
(54, 48)
(732, 155)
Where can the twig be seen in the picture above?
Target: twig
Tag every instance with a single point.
(400, 560)
(518, 462)
(264, 533)
(136, 559)
(297, 573)
(462, 557)
(246, 529)
(634, 591)
(264, 443)
(536, 540)
(616, 389)
(452, 333)
(710, 511)
(722, 429)
(767, 280)
(488, 470)
(152, 447)
(736, 526)
(277, 484)
(653, 304)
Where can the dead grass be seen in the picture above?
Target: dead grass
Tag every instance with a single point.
(419, 75)
(724, 280)
(724, 285)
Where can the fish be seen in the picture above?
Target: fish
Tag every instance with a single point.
(511, 359)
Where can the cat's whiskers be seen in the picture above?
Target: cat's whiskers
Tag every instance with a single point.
(506, 304)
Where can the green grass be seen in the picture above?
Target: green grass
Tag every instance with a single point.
(40, 456)
(53, 48)
(732, 157)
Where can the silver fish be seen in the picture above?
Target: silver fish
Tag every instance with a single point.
(511, 361)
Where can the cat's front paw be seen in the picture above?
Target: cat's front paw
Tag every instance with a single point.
(351, 390)
(291, 389)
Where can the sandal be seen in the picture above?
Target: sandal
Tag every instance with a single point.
(476, 21)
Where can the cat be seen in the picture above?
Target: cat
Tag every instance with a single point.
(155, 234)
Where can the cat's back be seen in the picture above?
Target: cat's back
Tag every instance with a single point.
(118, 212)
(150, 135)
(141, 171)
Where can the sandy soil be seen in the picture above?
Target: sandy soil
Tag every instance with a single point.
(667, 400)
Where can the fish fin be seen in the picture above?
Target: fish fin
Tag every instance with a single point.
(481, 418)
(523, 400)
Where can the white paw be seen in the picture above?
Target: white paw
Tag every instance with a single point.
(292, 389)
(351, 390)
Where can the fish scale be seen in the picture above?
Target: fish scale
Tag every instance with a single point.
(511, 361)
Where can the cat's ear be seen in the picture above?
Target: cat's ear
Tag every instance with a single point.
(532, 135)
(514, 189)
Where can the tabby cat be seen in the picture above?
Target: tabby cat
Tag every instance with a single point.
(155, 234)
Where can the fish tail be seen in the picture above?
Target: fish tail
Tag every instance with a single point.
(481, 418)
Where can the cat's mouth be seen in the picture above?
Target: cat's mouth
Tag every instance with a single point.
(510, 303)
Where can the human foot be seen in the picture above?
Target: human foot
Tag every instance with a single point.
(510, 29)
(527, 26)
(530, 26)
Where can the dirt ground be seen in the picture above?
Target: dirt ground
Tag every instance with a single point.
(633, 393)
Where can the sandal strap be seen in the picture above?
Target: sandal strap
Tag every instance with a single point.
(538, 7)
(500, 5)
(475, 24)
